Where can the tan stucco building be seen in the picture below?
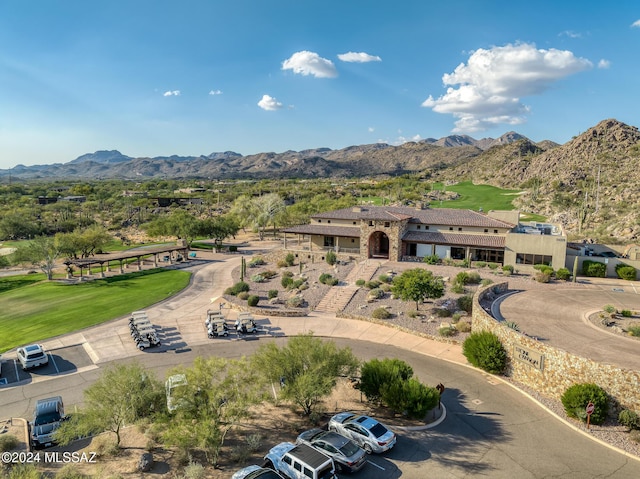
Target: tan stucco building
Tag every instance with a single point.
(402, 233)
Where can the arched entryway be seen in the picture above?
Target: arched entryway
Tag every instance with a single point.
(378, 245)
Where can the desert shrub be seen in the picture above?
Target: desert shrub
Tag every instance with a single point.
(507, 269)
(413, 314)
(512, 325)
(432, 259)
(563, 274)
(576, 398)
(323, 278)
(360, 282)
(474, 278)
(456, 317)
(253, 300)
(485, 351)
(258, 278)
(282, 263)
(257, 261)
(465, 303)
(295, 302)
(486, 282)
(634, 330)
(481, 264)
(237, 288)
(442, 313)
(289, 259)
(287, 274)
(493, 266)
(466, 263)
(233, 248)
(254, 442)
(269, 274)
(385, 278)
(70, 471)
(376, 293)
(377, 373)
(332, 281)
(243, 295)
(541, 277)
(273, 293)
(626, 313)
(463, 326)
(544, 268)
(629, 418)
(609, 308)
(380, 313)
(305, 286)
(331, 258)
(447, 331)
(410, 397)
(372, 284)
(194, 470)
(461, 278)
(286, 282)
(457, 288)
(298, 282)
(594, 269)
(625, 271)
(385, 287)
(8, 442)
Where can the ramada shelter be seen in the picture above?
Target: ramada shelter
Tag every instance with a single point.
(404, 233)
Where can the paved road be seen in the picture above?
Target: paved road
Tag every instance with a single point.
(491, 429)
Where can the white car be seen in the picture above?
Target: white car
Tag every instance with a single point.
(366, 432)
(256, 472)
(32, 356)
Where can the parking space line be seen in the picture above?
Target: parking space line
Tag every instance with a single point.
(54, 363)
(15, 365)
(374, 464)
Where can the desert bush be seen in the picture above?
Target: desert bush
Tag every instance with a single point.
(563, 274)
(269, 274)
(258, 278)
(323, 278)
(634, 330)
(385, 278)
(237, 288)
(70, 471)
(8, 442)
(286, 282)
(609, 308)
(594, 269)
(432, 259)
(254, 442)
(376, 293)
(456, 317)
(447, 331)
(457, 288)
(372, 284)
(413, 314)
(481, 264)
(485, 351)
(410, 397)
(194, 470)
(287, 274)
(360, 282)
(385, 287)
(493, 266)
(625, 271)
(380, 313)
(576, 398)
(461, 278)
(629, 418)
(465, 303)
(298, 282)
(104, 445)
(542, 277)
(273, 293)
(289, 259)
(626, 313)
(486, 282)
(305, 286)
(243, 295)
(512, 325)
(442, 313)
(295, 302)
(281, 263)
(377, 373)
(507, 269)
(463, 326)
(331, 258)
(253, 300)
(333, 281)
(257, 261)
(544, 268)
(474, 278)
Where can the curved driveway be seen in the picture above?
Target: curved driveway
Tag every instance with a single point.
(557, 317)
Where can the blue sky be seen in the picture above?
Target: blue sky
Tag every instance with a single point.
(155, 78)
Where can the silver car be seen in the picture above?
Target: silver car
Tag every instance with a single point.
(256, 472)
(32, 356)
(346, 454)
(365, 431)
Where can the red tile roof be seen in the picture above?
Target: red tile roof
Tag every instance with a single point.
(347, 231)
(489, 241)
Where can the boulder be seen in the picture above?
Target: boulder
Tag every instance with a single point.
(145, 463)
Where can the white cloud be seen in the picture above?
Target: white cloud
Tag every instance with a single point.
(360, 57)
(401, 140)
(636, 24)
(310, 63)
(269, 103)
(570, 34)
(171, 93)
(487, 90)
(604, 64)
(215, 92)
(371, 129)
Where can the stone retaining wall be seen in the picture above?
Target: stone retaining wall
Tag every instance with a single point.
(549, 370)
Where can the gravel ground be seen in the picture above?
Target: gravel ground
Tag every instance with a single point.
(428, 322)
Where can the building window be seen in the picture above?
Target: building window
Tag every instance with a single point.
(426, 227)
(524, 258)
(450, 228)
(486, 230)
(495, 231)
(354, 222)
(353, 240)
(387, 224)
(329, 241)
(412, 249)
(319, 221)
(370, 223)
(458, 253)
(328, 221)
(418, 227)
(459, 229)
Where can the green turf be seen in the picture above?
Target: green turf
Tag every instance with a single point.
(474, 197)
(36, 311)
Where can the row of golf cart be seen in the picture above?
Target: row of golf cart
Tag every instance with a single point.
(217, 326)
(142, 331)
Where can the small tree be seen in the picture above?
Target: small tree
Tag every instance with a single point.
(331, 258)
(376, 373)
(625, 271)
(42, 252)
(485, 351)
(417, 285)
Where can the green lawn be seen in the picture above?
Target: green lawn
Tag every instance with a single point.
(474, 197)
(32, 311)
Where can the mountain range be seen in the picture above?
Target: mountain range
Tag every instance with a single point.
(590, 184)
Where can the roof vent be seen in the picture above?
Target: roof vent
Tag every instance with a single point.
(356, 209)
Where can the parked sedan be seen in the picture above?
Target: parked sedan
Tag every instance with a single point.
(32, 356)
(365, 431)
(256, 472)
(346, 454)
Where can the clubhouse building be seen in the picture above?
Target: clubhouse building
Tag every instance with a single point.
(404, 233)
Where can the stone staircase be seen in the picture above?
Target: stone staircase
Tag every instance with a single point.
(339, 296)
